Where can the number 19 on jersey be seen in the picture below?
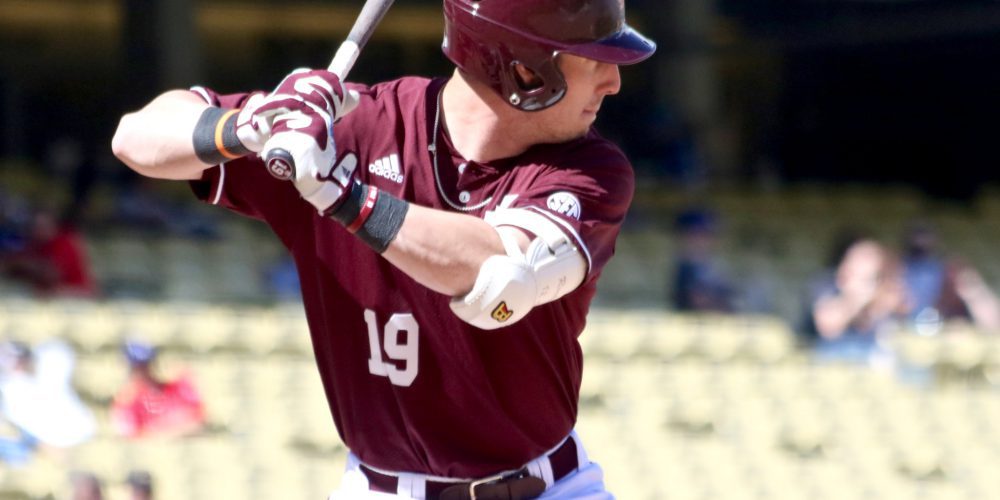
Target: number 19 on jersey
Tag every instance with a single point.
(406, 352)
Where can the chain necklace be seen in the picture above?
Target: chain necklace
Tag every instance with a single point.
(434, 159)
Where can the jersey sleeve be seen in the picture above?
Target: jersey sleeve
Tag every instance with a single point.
(587, 198)
(245, 187)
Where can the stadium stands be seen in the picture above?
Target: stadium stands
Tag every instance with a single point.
(673, 406)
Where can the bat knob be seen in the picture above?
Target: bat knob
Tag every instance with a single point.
(280, 164)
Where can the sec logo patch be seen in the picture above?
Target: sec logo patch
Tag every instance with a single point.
(565, 203)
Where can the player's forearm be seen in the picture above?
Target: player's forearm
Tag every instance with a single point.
(156, 140)
(442, 250)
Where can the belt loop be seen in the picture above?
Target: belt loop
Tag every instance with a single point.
(542, 468)
(581, 454)
(411, 486)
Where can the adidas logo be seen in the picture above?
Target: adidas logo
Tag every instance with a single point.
(387, 167)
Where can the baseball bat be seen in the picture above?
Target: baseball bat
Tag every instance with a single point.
(371, 14)
(280, 160)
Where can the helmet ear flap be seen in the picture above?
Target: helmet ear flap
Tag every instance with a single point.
(546, 88)
(526, 78)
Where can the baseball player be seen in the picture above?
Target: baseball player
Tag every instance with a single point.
(448, 233)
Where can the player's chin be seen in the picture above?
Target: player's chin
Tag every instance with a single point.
(586, 121)
(572, 135)
(571, 131)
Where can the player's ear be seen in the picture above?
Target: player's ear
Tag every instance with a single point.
(526, 78)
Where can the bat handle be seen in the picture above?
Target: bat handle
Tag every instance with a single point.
(347, 54)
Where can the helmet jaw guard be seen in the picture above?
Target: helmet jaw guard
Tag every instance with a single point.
(488, 38)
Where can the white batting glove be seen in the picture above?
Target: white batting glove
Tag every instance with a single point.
(301, 149)
(319, 88)
(297, 120)
(253, 128)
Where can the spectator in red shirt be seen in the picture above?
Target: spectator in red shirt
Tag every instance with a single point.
(54, 261)
(147, 406)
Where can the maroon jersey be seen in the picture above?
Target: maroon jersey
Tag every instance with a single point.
(411, 387)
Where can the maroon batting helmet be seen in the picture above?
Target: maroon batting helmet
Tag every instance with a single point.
(486, 38)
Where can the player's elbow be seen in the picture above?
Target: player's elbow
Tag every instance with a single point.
(140, 147)
(508, 288)
(132, 145)
(125, 143)
(155, 141)
(503, 293)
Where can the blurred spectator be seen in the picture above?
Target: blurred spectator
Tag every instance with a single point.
(141, 206)
(37, 398)
(864, 293)
(16, 447)
(140, 485)
(283, 279)
(53, 260)
(67, 157)
(14, 215)
(86, 486)
(147, 406)
(699, 281)
(942, 289)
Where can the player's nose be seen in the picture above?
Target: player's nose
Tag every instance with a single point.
(611, 79)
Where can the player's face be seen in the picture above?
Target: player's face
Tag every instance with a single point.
(588, 83)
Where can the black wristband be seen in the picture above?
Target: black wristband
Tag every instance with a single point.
(347, 211)
(372, 215)
(383, 225)
(215, 140)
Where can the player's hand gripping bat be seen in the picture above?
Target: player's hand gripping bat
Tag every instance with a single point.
(278, 159)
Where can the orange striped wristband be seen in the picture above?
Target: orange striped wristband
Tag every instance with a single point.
(214, 138)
